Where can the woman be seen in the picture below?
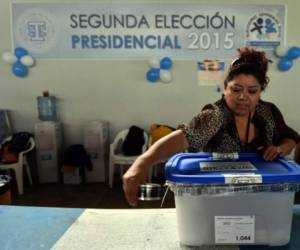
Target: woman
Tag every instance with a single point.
(239, 122)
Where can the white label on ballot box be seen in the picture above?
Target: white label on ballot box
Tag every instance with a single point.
(234, 229)
(243, 178)
(223, 156)
(226, 166)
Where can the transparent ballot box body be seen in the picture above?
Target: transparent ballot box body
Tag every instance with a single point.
(233, 199)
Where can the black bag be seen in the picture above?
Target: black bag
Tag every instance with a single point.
(76, 155)
(19, 142)
(134, 141)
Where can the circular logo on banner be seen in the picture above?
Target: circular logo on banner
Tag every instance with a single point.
(35, 31)
(263, 30)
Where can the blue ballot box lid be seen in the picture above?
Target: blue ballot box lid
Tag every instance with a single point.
(240, 168)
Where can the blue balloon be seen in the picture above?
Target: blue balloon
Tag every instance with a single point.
(166, 63)
(19, 69)
(293, 53)
(152, 75)
(285, 64)
(19, 52)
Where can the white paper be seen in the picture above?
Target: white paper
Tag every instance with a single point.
(234, 229)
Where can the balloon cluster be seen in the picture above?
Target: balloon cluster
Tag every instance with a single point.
(160, 70)
(287, 56)
(20, 61)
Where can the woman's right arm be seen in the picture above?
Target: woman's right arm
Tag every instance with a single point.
(167, 146)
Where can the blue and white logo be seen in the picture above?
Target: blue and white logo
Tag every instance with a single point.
(36, 31)
(263, 30)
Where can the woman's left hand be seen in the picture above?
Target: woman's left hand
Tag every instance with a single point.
(271, 152)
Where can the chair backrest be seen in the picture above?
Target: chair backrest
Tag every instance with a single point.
(146, 143)
(7, 139)
(30, 145)
(10, 157)
(120, 137)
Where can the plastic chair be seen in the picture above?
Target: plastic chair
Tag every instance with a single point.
(18, 166)
(154, 169)
(297, 153)
(118, 157)
(153, 172)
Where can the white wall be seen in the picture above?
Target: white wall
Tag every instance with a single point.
(117, 91)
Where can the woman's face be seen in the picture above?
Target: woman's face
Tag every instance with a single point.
(242, 94)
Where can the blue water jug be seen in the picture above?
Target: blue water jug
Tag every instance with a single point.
(47, 107)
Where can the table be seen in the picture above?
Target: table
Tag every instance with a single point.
(70, 228)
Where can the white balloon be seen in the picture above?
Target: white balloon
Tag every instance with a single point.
(27, 60)
(281, 51)
(8, 57)
(165, 76)
(154, 63)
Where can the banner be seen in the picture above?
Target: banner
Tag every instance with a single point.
(139, 31)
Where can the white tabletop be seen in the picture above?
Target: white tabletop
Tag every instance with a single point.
(132, 229)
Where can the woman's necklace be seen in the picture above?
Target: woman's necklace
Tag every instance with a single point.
(247, 133)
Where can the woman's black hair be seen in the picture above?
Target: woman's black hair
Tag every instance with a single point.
(250, 62)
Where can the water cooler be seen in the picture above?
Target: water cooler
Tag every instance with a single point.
(5, 126)
(48, 136)
(96, 143)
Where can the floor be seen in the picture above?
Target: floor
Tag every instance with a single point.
(90, 195)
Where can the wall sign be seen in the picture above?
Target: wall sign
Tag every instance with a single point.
(139, 31)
